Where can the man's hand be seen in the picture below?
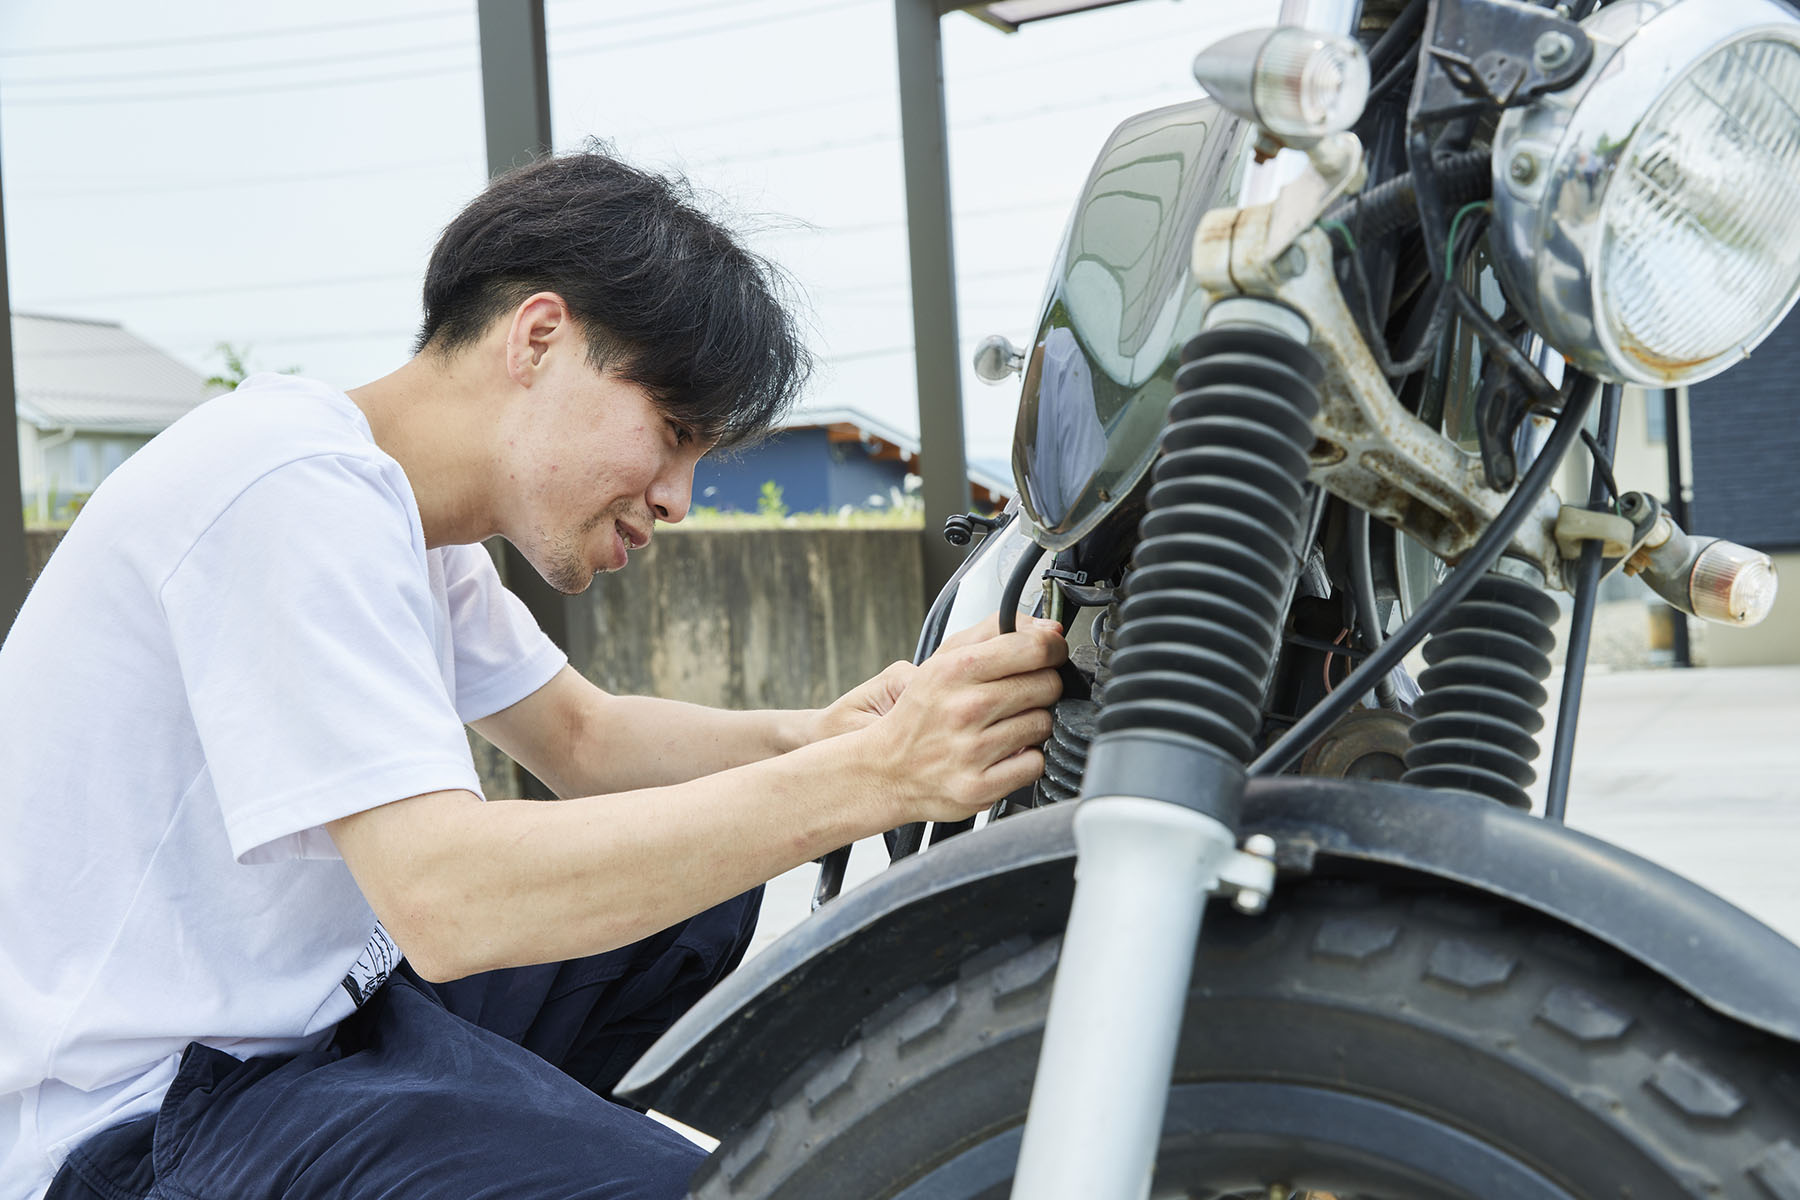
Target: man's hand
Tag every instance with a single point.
(869, 701)
(965, 729)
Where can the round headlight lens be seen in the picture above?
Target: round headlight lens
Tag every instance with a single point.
(1700, 244)
(1647, 219)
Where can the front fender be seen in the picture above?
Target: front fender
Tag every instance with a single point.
(914, 926)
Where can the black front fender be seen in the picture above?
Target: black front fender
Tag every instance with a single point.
(912, 927)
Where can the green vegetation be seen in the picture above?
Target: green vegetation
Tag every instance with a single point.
(901, 508)
(237, 366)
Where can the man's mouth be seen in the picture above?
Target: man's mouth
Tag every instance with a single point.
(632, 538)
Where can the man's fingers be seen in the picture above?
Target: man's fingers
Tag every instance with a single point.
(989, 628)
(1014, 654)
(981, 631)
(1013, 772)
(1007, 737)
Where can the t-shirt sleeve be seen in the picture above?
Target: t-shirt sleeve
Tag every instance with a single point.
(308, 640)
(501, 654)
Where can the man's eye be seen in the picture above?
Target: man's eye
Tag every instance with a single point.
(683, 435)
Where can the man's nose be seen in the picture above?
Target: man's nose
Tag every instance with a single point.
(672, 492)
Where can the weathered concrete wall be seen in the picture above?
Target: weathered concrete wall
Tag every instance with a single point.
(776, 618)
(38, 545)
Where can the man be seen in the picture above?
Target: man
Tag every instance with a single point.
(240, 793)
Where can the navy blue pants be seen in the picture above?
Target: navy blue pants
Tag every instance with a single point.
(493, 1086)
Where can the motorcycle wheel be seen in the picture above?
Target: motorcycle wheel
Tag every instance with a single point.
(1359, 1041)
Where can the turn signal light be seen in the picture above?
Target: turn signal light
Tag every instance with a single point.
(1299, 86)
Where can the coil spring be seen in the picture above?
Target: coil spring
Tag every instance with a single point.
(1483, 693)
(1201, 611)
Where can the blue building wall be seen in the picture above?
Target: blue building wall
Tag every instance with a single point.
(815, 474)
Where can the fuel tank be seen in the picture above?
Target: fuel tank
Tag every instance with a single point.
(1120, 304)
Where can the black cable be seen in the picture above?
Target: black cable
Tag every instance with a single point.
(1581, 626)
(1391, 205)
(1501, 346)
(1368, 608)
(1015, 587)
(1482, 555)
(1396, 41)
(1404, 69)
(1603, 466)
(1442, 303)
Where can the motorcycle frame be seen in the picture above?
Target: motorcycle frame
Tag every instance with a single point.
(917, 925)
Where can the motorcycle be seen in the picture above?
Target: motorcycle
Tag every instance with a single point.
(1277, 922)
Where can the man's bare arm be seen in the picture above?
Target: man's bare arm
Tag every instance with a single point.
(465, 887)
(583, 741)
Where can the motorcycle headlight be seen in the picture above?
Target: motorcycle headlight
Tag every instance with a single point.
(1648, 218)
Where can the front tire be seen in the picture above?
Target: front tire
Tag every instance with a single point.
(1357, 1040)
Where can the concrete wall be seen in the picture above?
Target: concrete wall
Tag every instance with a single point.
(776, 618)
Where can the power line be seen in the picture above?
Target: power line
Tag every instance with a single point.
(285, 64)
(207, 185)
(640, 18)
(302, 85)
(214, 290)
(400, 51)
(212, 93)
(200, 39)
(707, 31)
(876, 139)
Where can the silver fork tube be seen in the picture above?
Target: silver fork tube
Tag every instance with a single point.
(1322, 16)
(1143, 869)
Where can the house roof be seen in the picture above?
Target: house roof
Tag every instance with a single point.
(994, 475)
(97, 377)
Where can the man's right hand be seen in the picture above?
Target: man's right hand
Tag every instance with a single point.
(966, 731)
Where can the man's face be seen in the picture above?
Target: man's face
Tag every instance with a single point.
(593, 464)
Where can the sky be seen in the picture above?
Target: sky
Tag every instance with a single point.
(273, 175)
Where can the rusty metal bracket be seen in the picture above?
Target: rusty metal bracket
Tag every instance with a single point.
(1369, 450)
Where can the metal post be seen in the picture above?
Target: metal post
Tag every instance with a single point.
(935, 348)
(515, 100)
(515, 82)
(12, 528)
(1678, 509)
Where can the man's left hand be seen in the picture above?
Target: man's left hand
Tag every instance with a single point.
(868, 701)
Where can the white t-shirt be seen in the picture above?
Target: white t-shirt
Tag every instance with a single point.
(242, 637)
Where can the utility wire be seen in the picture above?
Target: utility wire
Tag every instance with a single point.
(308, 85)
(283, 64)
(289, 31)
(179, 293)
(204, 39)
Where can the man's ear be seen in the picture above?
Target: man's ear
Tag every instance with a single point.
(540, 325)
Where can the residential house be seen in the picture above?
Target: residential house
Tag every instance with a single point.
(826, 459)
(88, 393)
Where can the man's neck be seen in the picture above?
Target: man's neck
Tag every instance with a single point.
(432, 423)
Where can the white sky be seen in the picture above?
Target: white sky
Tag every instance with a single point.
(275, 173)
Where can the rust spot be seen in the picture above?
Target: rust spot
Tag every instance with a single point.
(1673, 368)
(1324, 453)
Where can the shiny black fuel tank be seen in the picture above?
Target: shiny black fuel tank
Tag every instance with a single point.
(1121, 302)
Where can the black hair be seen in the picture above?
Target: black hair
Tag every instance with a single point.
(665, 296)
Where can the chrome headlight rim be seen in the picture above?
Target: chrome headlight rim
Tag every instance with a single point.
(1555, 159)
